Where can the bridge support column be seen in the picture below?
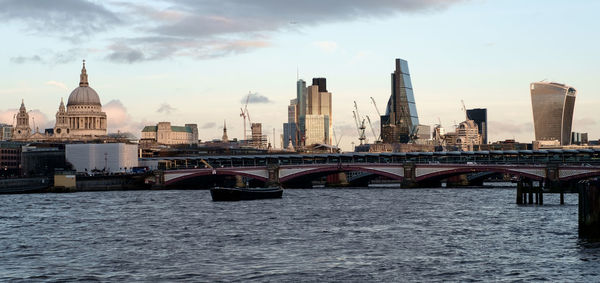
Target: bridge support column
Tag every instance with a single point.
(273, 170)
(159, 179)
(589, 210)
(410, 178)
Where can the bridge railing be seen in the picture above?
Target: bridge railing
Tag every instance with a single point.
(560, 159)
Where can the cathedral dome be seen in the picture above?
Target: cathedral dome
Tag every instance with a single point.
(84, 94)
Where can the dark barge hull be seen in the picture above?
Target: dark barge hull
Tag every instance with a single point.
(236, 194)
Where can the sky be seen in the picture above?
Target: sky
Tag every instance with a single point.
(194, 61)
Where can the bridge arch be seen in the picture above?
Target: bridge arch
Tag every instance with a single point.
(209, 172)
(533, 173)
(336, 168)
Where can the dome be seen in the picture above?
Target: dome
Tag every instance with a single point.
(84, 95)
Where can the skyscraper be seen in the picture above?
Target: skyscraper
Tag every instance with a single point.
(400, 122)
(290, 129)
(301, 93)
(318, 107)
(553, 105)
(479, 116)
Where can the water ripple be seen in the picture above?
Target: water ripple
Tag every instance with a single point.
(348, 235)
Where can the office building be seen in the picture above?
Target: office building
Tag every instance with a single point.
(290, 129)
(553, 105)
(400, 122)
(318, 104)
(301, 97)
(479, 116)
(312, 115)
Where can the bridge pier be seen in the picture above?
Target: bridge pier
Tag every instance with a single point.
(589, 210)
(273, 170)
(529, 192)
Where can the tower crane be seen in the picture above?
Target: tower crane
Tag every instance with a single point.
(375, 104)
(360, 127)
(464, 109)
(372, 130)
(245, 114)
(360, 124)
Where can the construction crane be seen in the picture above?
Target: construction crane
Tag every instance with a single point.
(375, 104)
(464, 109)
(360, 124)
(360, 127)
(372, 129)
(245, 114)
(337, 141)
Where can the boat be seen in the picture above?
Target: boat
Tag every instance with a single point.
(236, 194)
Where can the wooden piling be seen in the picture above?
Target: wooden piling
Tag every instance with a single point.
(589, 210)
(562, 198)
(520, 192)
(530, 197)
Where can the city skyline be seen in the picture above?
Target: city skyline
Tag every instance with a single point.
(488, 66)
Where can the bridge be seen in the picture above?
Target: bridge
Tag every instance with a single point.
(547, 168)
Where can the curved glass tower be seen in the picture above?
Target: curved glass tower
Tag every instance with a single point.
(553, 106)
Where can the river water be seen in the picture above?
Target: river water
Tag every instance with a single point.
(323, 235)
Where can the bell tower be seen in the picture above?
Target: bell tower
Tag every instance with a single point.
(22, 131)
(61, 128)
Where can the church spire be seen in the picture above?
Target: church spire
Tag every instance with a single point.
(225, 138)
(83, 78)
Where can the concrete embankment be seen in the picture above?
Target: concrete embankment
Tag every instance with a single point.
(107, 183)
(24, 185)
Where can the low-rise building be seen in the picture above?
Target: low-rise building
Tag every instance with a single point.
(10, 158)
(6, 132)
(165, 133)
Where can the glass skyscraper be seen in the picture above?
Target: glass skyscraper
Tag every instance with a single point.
(553, 105)
(401, 121)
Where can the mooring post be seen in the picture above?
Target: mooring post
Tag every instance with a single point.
(589, 210)
(520, 192)
(562, 197)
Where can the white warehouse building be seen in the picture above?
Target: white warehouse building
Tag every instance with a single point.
(111, 157)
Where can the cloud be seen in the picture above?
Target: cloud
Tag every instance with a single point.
(24, 59)
(37, 119)
(255, 98)
(119, 119)
(124, 54)
(326, 46)
(54, 58)
(70, 18)
(165, 108)
(209, 125)
(57, 84)
(202, 29)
